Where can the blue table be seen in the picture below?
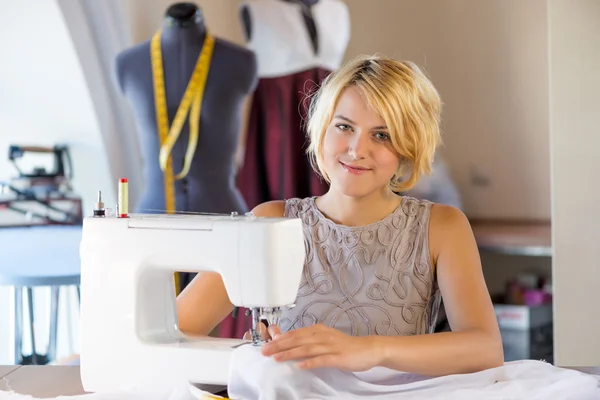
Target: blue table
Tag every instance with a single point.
(38, 256)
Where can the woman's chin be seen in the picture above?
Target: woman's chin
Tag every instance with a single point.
(354, 189)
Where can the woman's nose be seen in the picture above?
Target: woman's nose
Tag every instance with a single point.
(358, 146)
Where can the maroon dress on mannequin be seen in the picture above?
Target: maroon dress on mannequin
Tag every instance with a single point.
(290, 67)
(275, 163)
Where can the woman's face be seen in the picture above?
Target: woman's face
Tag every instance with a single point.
(357, 151)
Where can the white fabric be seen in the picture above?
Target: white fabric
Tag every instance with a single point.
(281, 41)
(254, 377)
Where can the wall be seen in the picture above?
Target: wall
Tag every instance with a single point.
(46, 100)
(574, 29)
(489, 61)
(146, 16)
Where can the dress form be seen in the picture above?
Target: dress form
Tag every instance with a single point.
(307, 15)
(297, 44)
(209, 187)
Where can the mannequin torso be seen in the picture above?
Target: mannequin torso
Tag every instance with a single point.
(290, 36)
(307, 15)
(210, 183)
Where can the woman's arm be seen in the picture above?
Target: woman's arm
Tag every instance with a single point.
(204, 303)
(474, 343)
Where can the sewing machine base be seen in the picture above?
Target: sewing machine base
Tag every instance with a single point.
(217, 390)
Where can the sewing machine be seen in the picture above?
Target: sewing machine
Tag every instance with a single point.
(130, 335)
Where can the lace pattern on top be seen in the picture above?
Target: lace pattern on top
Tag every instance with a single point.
(369, 280)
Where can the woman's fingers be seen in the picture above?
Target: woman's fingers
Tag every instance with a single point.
(262, 330)
(302, 352)
(274, 331)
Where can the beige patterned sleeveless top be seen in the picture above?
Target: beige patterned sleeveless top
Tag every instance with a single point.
(370, 280)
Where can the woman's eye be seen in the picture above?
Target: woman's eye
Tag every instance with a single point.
(342, 127)
(382, 136)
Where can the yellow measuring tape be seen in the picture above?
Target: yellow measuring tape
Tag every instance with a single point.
(192, 98)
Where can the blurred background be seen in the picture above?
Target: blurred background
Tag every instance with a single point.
(519, 81)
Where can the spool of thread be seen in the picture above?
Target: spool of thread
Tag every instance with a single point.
(123, 198)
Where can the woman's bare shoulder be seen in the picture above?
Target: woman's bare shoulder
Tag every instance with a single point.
(448, 226)
(274, 208)
(443, 215)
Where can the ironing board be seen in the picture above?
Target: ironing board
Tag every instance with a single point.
(35, 256)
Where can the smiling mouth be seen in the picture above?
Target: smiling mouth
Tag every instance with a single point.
(354, 169)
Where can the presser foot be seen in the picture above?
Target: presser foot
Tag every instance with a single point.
(269, 314)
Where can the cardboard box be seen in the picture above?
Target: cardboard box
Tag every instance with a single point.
(527, 332)
(523, 317)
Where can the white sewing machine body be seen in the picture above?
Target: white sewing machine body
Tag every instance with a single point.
(130, 337)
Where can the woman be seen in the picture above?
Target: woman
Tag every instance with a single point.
(377, 264)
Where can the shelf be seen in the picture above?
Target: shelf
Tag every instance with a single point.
(527, 238)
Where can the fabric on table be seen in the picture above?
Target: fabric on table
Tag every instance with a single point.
(254, 377)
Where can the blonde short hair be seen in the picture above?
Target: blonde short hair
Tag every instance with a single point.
(405, 99)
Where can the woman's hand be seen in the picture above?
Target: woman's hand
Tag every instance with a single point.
(265, 334)
(319, 346)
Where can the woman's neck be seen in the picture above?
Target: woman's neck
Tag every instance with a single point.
(354, 211)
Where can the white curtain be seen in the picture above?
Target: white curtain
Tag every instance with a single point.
(99, 32)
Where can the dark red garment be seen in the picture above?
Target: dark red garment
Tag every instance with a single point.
(235, 328)
(276, 166)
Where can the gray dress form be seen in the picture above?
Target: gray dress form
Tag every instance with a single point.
(209, 187)
(210, 184)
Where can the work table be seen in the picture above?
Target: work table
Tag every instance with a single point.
(527, 238)
(56, 380)
(41, 381)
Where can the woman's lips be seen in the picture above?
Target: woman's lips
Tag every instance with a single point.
(354, 169)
